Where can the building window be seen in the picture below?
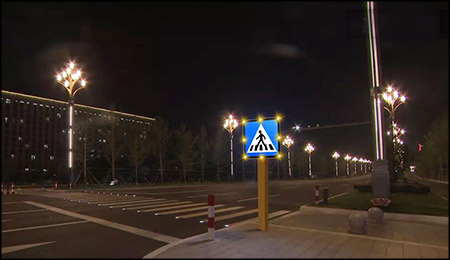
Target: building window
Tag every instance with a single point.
(47, 118)
(13, 156)
(19, 138)
(27, 169)
(33, 157)
(6, 120)
(8, 101)
(45, 145)
(45, 170)
(27, 146)
(21, 121)
(52, 157)
(58, 114)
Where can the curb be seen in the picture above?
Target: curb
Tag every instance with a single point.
(389, 216)
(444, 182)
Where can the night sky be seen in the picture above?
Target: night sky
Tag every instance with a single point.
(195, 62)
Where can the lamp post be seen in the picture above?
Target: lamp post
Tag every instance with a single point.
(361, 161)
(288, 142)
(393, 100)
(230, 124)
(336, 156)
(309, 148)
(355, 160)
(348, 157)
(69, 78)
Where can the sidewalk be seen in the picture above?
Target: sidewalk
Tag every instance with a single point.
(320, 233)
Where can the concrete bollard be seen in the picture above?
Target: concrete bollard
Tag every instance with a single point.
(317, 194)
(211, 215)
(375, 215)
(56, 185)
(357, 223)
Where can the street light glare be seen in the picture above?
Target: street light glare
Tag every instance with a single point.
(66, 84)
(83, 82)
(58, 77)
(403, 98)
(64, 74)
(71, 65)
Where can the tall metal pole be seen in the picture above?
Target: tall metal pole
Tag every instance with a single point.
(71, 104)
(289, 162)
(380, 176)
(337, 168)
(309, 157)
(231, 139)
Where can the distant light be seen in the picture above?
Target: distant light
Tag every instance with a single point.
(138, 211)
(227, 226)
(156, 214)
(260, 119)
(201, 221)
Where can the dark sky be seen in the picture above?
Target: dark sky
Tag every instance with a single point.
(196, 61)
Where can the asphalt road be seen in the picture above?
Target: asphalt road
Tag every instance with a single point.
(437, 187)
(74, 225)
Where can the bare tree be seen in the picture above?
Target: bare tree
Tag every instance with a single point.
(162, 138)
(204, 145)
(218, 149)
(139, 145)
(185, 149)
(115, 144)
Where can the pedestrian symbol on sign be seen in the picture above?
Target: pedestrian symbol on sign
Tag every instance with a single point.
(263, 136)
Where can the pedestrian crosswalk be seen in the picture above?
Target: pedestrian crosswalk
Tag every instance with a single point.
(178, 209)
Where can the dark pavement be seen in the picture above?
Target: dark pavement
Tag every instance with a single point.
(85, 238)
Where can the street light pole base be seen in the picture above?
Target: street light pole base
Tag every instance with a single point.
(380, 180)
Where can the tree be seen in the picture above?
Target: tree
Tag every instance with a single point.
(114, 142)
(139, 145)
(162, 138)
(185, 145)
(204, 145)
(85, 140)
(434, 158)
(218, 150)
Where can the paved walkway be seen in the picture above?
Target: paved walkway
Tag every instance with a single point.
(319, 233)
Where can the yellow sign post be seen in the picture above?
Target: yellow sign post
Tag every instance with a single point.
(263, 194)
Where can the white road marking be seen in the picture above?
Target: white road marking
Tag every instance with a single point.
(271, 196)
(23, 211)
(132, 204)
(155, 204)
(199, 196)
(173, 207)
(186, 210)
(276, 214)
(126, 228)
(8, 203)
(45, 226)
(109, 200)
(238, 214)
(159, 205)
(10, 249)
(206, 213)
(6, 220)
(128, 202)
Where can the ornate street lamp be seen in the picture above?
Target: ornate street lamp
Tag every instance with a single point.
(288, 142)
(69, 78)
(309, 148)
(336, 156)
(230, 124)
(355, 160)
(348, 157)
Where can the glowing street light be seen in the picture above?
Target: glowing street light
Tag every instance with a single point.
(230, 124)
(336, 156)
(348, 158)
(288, 142)
(361, 161)
(309, 148)
(393, 99)
(355, 160)
(68, 78)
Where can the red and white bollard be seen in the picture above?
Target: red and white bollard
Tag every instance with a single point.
(12, 188)
(56, 185)
(211, 215)
(70, 186)
(317, 194)
(3, 192)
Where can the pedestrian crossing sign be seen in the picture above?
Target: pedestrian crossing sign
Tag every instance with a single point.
(261, 138)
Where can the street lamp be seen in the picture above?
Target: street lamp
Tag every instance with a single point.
(355, 160)
(230, 124)
(69, 78)
(348, 157)
(288, 142)
(361, 161)
(309, 148)
(336, 155)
